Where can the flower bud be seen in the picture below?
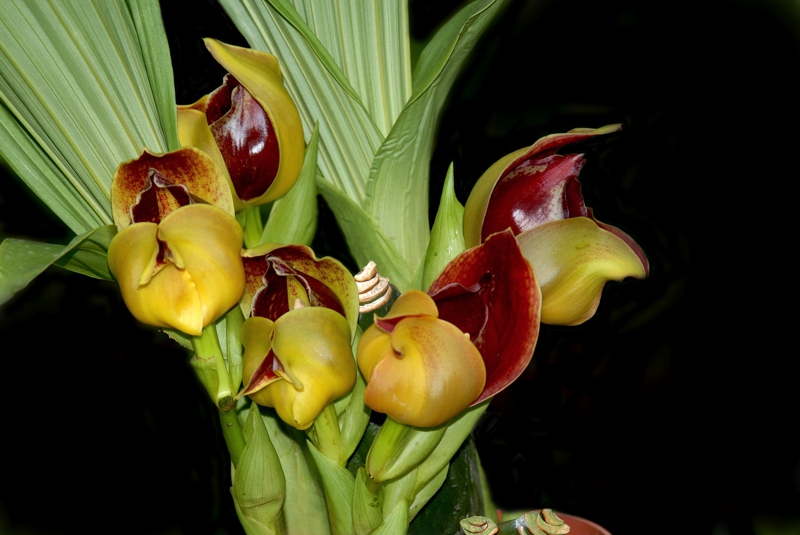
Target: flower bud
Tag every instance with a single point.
(534, 188)
(249, 125)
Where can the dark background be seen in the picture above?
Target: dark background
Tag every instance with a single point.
(674, 409)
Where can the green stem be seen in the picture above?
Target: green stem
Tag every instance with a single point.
(206, 347)
(232, 432)
(385, 445)
(329, 438)
(253, 227)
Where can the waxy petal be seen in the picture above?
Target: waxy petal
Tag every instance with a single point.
(200, 280)
(535, 192)
(259, 74)
(476, 208)
(422, 374)
(313, 347)
(573, 260)
(330, 283)
(187, 167)
(409, 304)
(491, 293)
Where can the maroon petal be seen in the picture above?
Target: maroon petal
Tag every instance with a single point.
(535, 192)
(490, 292)
(248, 143)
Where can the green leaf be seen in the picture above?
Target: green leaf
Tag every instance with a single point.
(457, 432)
(228, 328)
(459, 495)
(401, 488)
(90, 256)
(397, 521)
(364, 239)
(447, 235)
(398, 181)
(304, 509)
(369, 41)
(155, 52)
(259, 485)
(366, 506)
(338, 484)
(348, 135)
(58, 188)
(354, 420)
(415, 447)
(21, 260)
(77, 81)
(293, 218)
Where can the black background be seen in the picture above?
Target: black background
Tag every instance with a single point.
(674, 409)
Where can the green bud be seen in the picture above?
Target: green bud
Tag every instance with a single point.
(447, 234)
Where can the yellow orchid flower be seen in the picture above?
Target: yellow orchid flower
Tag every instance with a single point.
(177, 254)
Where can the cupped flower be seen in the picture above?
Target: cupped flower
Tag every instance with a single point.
(277, 276)
(535, 192)
(464, 341)
(177, 254)
(249, 125)
(298, 363)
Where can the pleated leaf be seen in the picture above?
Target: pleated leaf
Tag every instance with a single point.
(398, 182)
(90, 85)
(369, 41)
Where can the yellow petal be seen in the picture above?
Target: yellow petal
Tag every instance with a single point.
(193, 131)
(427, 374)
(169, 298)
(256, 337)
(412, 303)
(259, 73)
(573, 259)
(209, 243)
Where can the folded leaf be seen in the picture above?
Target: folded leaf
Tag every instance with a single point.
(21, 260)
(447, 235)
(338, 484)
(293, 218)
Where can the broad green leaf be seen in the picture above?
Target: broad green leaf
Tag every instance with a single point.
(59, 188)
(366, 506)
(364, 240)
(22, 260)
(259, 485)
(348, 135)
(338, 484)
(369, 41)
(398, 181)
(293, 218)
(155, 52)
(304, 510)
(447, 234)
(79, 79)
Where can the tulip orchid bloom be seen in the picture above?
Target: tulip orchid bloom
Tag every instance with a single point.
(249, 125)
(464, 341)
(298, 356)
(536, 193)
(177, 253)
